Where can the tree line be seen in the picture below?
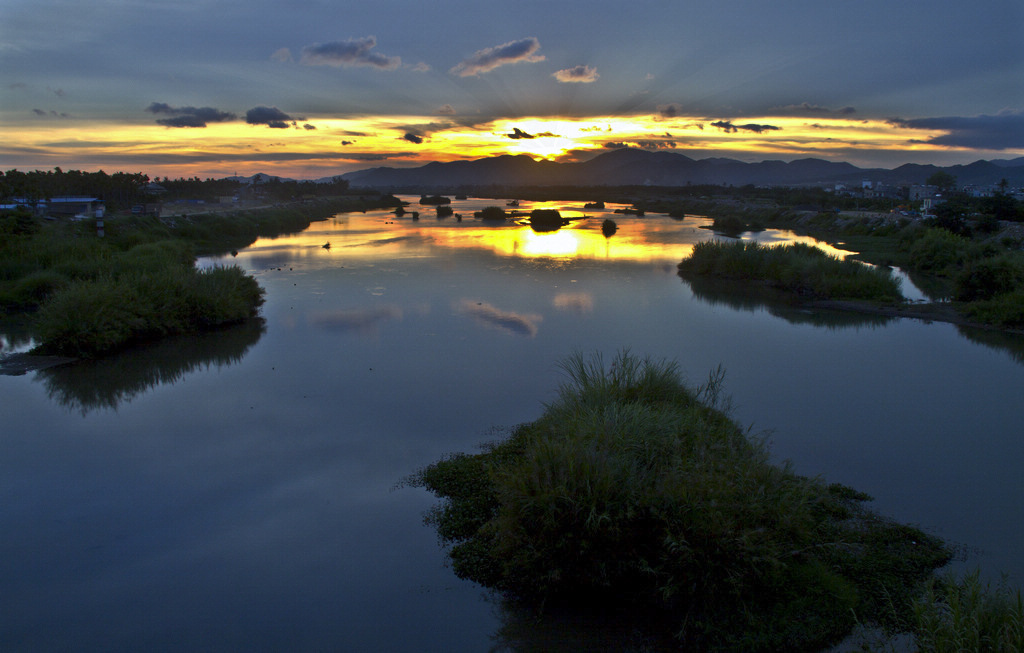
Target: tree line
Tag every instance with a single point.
(121, 190)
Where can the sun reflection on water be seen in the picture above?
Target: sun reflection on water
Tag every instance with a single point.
(381, 235)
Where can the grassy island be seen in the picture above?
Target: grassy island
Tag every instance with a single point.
(85, 296)
(801, 269)
(636, 491)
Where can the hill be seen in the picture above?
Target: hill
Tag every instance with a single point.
(632, 166)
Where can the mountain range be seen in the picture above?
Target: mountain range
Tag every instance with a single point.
(633, 166)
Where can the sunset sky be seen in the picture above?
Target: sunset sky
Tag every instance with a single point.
(313, 88)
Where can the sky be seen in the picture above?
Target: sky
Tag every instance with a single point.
(313, 88)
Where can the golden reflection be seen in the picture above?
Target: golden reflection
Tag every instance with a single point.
(381, 236)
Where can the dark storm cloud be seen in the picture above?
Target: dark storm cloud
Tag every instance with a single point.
(577, 74)
(188, 116)
(730, 128)
(413, 138)
(1002, 131)
(486, 60)
(270, 116)
(353, 52)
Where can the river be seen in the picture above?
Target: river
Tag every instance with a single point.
(242, 490)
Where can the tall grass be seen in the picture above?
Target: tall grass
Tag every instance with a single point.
(633, 488)
(966, 614)
(796, 268)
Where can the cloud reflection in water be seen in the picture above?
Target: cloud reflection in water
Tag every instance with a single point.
(518, 323)
(363, 321)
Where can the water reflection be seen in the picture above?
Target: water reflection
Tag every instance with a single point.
(751, 298)
(1010, 343)
(376, 234)
(523, 324)
(111, 381)
(361, 321)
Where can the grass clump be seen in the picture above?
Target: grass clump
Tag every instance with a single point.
(635, 489)
(797, 268)
(966, 614)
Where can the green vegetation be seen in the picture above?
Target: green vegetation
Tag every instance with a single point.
(89, 296)
(635, 490)
(965, 614)
(797, 268)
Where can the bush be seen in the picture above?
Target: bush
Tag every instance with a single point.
(635, 489)
(491, 213)
(938, 251)
(988, 277)
(546, 220)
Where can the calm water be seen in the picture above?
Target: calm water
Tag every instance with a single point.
(238, 491)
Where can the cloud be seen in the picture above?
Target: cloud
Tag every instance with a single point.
(615, 145)
(672, 110)
(376, 156)
(518, 134)
(655, 145)
(729, 128)
(348, 142)
(188, 116)
(51, 113)
(270, 116)
(577, 74)
(806, 107)
(1003, 131)
(483, 61)
(353, 52)
(421, 67)
(446, 110)
(413, 138)
(283, 55)
(309, 126)
(517, 323)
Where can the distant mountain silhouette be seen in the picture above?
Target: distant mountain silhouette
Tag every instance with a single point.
(633, 166)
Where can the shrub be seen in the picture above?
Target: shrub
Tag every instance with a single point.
(546, 220)
(988, 277)
(938, 251)
(491, 213)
